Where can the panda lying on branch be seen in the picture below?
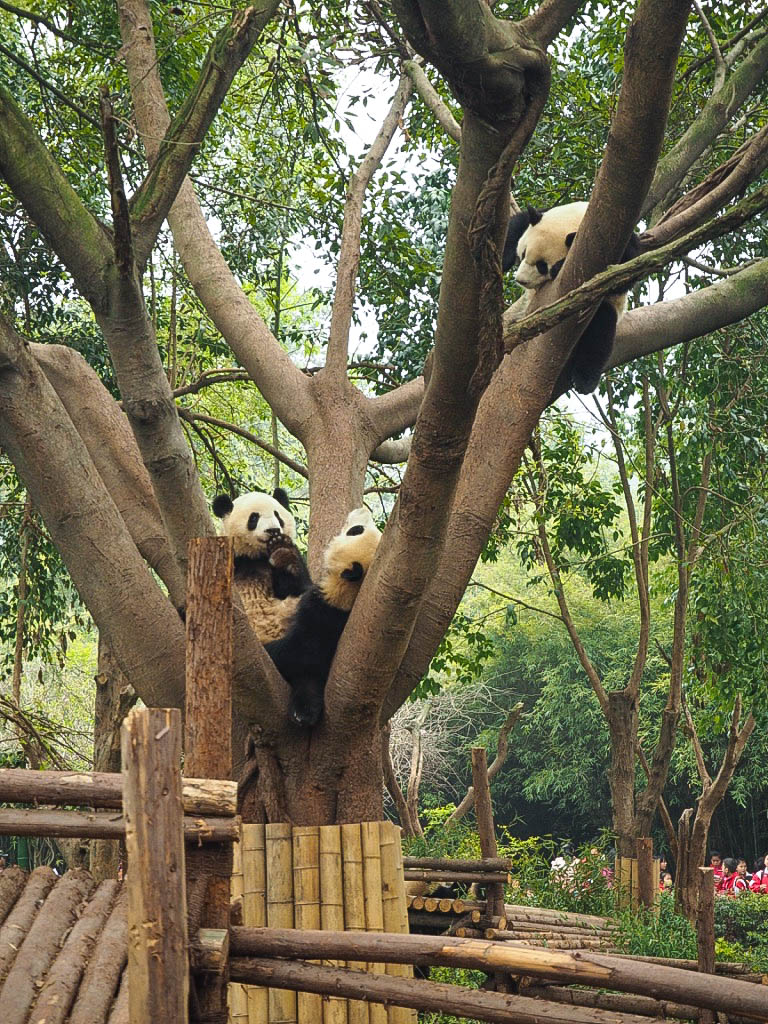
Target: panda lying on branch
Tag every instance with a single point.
(540, 241)
(304, 654)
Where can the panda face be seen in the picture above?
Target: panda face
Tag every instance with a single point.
(252, 519)
(348, 558)
(544, 245)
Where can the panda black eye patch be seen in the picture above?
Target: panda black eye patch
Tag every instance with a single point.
(253, 520)
(541, 266)
(355, 531)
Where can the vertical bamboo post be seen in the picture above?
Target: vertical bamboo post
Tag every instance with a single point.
(306, 903)
(255, 908)
(354, 905)
(208, 740)
(238, 1000)
(154, 820)
(282, 1002)
(705, 931)
(332, 908)
(647, 897)
(395, 909)
(374, 915)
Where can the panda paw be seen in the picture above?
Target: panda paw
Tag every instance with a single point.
(283, 554)
(306, 709)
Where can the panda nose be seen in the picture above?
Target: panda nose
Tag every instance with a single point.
(273, 531)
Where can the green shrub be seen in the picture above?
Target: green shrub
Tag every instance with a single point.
(742, 922)
(667, 934)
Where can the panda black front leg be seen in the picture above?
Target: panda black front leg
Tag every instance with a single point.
(306, 708)
(593, 350)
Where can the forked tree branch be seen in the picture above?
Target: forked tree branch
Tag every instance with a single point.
(349, 254)
(432, 99)
(550, 19)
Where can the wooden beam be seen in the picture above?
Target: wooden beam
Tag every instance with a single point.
(705, 931)
(582, 967)
(158, 962)
(216, 797)
(93, 825)
(449, 864)
(208, 743)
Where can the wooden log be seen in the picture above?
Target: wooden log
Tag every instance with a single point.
(555, 926)
(601, 970)
(422, 995)
(104, 825)
(484, 866)
(332, 909)
(516, 911)
(217, 797)
(157, 905)
(41, 945)
(18, 922)
(486, 878)
(282, 1003)
(120, 1011)
(647, 892)
(105, 968)
(209, 950)
(721, 966)
(486, 828)
(705, 931)
(647, 1006)
(255, 907)
(12, 882)
(354, 905)
(57, 993)
(208, 740)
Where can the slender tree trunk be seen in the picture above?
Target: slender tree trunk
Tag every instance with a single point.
(622, 722)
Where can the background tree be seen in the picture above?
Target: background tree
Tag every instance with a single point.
(118, 487)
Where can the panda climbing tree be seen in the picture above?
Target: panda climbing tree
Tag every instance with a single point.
(123, 347)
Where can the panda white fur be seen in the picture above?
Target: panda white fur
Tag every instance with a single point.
(269, 572)
(304, 655)
(540, 241)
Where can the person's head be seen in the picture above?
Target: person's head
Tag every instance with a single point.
(729, 865)
(667, 880)
(741, 866)
(715, 859)
(765, 860)
(662, 862)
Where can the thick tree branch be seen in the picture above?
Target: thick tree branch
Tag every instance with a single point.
(35, 178)
(349, 254)
(127, 605)
(121, 221)
(112, 447)
(396, 410)
(714, 116)
(283, 385)
(432, 99)
(228, 52)
(550, 19)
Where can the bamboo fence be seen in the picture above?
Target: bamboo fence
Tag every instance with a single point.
(332, 877)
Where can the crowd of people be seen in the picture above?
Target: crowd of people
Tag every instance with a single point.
(732, 874)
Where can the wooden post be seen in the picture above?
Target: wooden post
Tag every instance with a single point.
(645, 873)
(282, 1003)
(255, 907)
(705, 931)
(157, 912)
(354, 904)
(208, 741)
(332, 908)
(306, 904)
(495, 909)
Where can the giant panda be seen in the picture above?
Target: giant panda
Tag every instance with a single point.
(541, 240)
(269, 572)
(303, 656)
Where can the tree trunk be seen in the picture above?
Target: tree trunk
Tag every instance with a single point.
(114, 699)
(622, 722)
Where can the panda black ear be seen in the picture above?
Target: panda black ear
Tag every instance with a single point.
(222, 505)
(517, 226)
(569, 239)
(534, 215)
(280, 496)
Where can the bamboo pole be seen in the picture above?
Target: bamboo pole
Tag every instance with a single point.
(394, 909)
(484, 865)
(332, 909)
(282, 1002)
(255, 908)
(306, 904)
(370, 836)
(599, 970)
(217, 797)
(481, 878)
(237, 997)
(157, 904)
(354, 904)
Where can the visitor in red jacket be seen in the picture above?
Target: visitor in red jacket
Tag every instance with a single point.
(716, 863)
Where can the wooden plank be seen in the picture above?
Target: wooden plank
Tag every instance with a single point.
(282, 1003)
(208, 740)
(157, 907)
(217, 797)
(255, 908)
